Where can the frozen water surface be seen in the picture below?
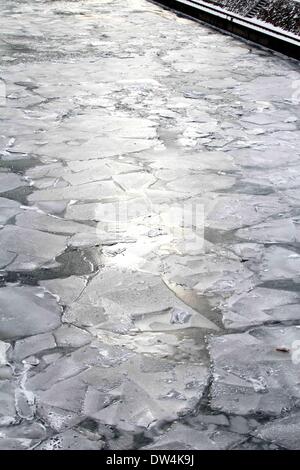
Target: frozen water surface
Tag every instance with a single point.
(149, 232)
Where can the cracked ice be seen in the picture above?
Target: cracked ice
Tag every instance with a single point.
(121, 326)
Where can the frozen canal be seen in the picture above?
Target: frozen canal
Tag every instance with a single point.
(150, 232)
